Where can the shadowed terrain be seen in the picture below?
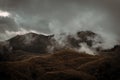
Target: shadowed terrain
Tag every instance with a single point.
(33, 62)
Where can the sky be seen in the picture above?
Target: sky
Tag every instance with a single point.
(60, 16)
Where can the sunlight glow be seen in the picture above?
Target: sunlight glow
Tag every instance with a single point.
(4, 13)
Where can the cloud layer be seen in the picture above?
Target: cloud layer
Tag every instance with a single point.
(62, 16)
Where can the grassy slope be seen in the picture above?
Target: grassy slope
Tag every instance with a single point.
(63, 65)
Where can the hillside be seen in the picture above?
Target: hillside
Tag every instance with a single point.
(25, 57)
(64, 65)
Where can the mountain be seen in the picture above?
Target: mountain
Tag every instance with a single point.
(40, 43)
(27, 57)
(31, 42)
(77, 41)
(83, 37)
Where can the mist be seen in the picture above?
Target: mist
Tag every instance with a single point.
(61, 16)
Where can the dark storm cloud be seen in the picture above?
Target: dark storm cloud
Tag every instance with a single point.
(7, 23)
(45, 9)
(55, 16)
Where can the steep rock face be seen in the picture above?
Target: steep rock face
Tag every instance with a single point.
(31, 42)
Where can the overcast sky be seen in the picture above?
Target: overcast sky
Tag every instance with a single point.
(55, 16)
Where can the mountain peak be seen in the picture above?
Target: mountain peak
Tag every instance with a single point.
(31, 42)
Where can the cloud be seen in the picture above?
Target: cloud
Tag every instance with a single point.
(86, 49)
(4, 13)
(9, 34)
(58, 16)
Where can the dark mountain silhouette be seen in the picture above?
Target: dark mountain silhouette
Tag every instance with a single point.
(31, 42)
(39, 43)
